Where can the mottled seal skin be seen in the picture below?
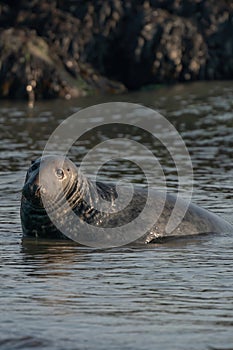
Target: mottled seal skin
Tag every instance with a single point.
(49, 174)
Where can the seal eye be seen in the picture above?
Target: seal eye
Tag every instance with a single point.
(60, 173)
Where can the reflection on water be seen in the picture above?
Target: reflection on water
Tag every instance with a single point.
(176, 295)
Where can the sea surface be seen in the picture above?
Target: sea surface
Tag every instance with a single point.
(176, 295)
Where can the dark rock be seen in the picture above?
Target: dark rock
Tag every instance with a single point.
(67, 48)
(29, 69)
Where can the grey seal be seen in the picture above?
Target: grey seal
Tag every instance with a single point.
(48, 175)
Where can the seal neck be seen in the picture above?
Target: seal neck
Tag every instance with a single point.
(88, 199)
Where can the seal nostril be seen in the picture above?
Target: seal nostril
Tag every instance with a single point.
(37, 191)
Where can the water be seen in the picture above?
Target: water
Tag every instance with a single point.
(178, 295)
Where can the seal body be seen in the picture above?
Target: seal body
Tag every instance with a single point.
(58, 201)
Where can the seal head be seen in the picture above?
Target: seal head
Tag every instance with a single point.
(46, 177)
(48, 181)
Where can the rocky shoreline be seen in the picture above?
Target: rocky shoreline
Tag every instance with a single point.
(73, 48)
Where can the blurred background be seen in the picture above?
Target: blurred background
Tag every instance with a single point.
(75, 48)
